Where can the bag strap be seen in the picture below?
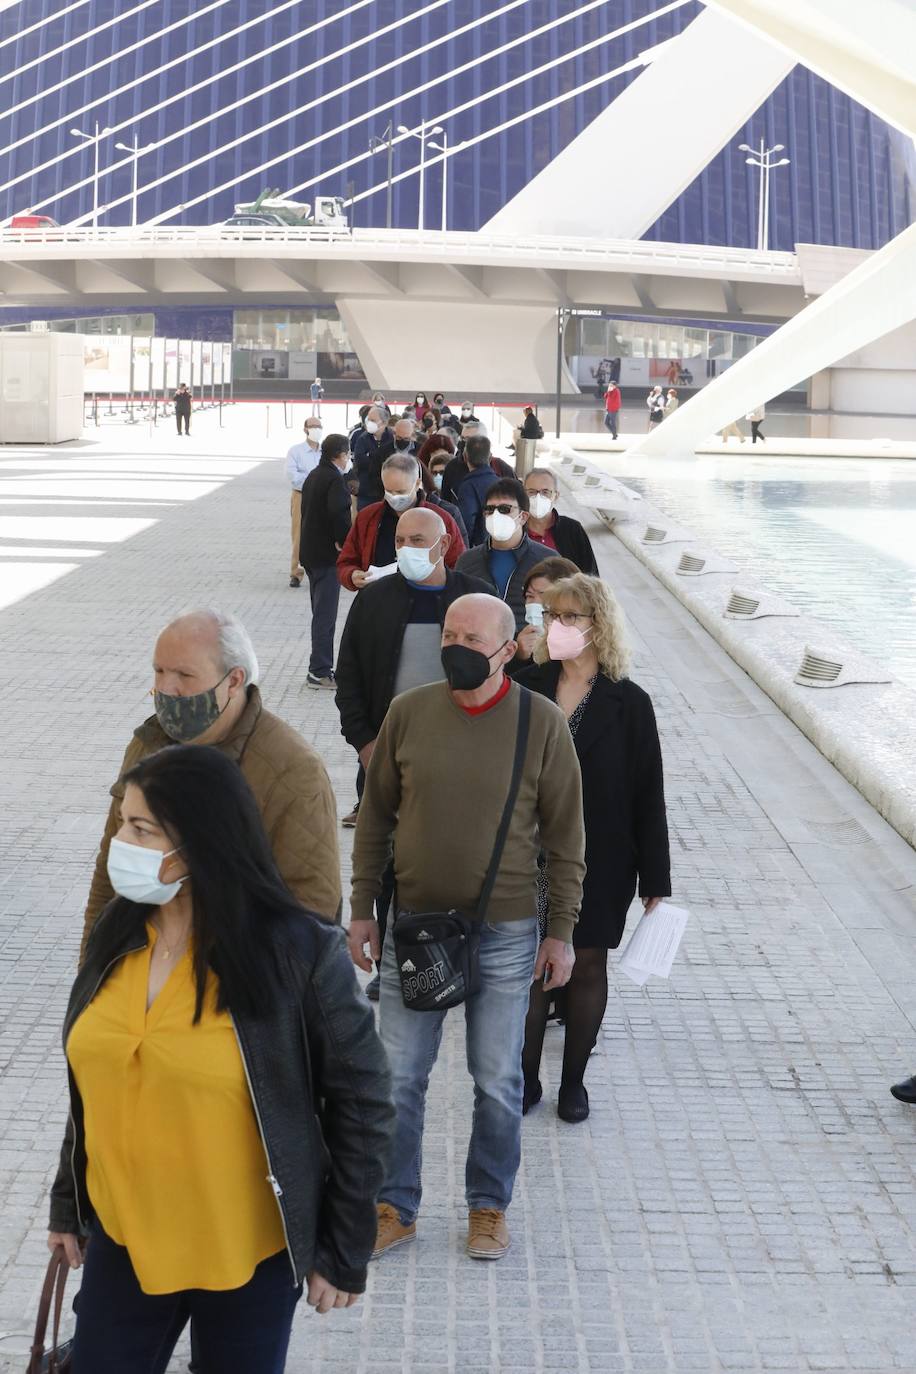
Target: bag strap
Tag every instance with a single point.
(521, 748)
(63, 1271)
(54, 1276)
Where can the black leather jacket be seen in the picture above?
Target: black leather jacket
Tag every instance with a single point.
(319, 1085)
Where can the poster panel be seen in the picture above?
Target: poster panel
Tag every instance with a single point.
(196, 363)
(171, 364)
(303, 365)
(217, 364)
(95, 365)
(157, 364)
(227, 363)
(142, 349)
(184, 361)
(107, 364)
(206, 367)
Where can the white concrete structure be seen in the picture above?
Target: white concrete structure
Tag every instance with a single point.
(626, 158)
(41, 388)
(867, 53)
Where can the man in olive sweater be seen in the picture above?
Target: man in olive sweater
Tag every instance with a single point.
(435, 788)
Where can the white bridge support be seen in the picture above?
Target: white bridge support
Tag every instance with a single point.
(650, 143)
(866, 52)
(868, 303)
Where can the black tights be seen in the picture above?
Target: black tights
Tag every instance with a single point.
(584, 1005)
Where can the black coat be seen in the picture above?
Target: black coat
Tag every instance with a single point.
(623, 799)
(182, 402)
(456, 470)
(370, 649)
(325, 516)
(531, 428)
(319, 1084)
(573, 543)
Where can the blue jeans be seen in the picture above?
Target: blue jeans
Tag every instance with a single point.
(324, 590)
(121, 1329)
(610, 421)
(495, 1023)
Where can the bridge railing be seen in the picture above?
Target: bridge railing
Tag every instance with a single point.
(394, 243)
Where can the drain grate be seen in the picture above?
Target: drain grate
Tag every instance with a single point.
(816, 669)
(653, 535)
(740, 604)
(690, 563)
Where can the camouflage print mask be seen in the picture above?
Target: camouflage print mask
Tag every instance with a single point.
(184, 719)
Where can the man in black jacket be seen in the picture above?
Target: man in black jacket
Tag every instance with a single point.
(365, 453)
(557, 533)
(400, 439)
(508, 555)
(391, 640)
(325, 526)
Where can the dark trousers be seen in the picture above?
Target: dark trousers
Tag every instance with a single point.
(120, 1329)
(610, 422)
(183, 416)
(757, 432)
(324, 590)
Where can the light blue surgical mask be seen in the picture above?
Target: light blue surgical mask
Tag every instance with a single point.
(134, 873)
(416, 564)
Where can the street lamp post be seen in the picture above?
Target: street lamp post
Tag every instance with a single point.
(443, 148)
(375, 146)
(422, 133)
(761, 158)
(136, 153)
(95, 139)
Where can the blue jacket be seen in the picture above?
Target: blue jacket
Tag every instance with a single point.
(470, 497)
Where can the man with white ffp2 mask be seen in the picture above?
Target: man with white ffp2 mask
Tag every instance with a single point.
(508, 555)
(557, 533)
(205, 675)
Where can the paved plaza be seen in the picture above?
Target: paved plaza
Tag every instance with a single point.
(743, 1196)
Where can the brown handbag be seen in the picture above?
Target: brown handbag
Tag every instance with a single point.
(57, 1359)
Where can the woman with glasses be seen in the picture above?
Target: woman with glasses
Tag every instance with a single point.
(230, 1111)
(581, 663)
(541, 576)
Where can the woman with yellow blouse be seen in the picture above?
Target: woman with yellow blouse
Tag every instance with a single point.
(230, 1110)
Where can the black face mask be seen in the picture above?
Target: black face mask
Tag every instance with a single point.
(466, 669)
(402, 444)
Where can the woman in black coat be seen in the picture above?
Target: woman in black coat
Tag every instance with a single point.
(581, 663)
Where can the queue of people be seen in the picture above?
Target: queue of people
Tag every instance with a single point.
(240, 1131)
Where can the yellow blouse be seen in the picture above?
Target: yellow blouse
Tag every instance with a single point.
(176, 1167)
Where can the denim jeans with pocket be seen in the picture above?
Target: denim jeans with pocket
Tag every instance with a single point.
(495, 1030)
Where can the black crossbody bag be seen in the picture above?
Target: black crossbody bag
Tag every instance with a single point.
(438, 952)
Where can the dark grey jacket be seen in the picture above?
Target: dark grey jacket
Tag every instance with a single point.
(320, 1089)
(476, 563)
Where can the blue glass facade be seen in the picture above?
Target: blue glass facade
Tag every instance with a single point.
(295, 95)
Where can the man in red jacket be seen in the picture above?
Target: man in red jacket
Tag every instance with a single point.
(612, 408)
(371, 538)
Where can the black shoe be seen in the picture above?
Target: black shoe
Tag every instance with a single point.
(531, 1096)
(905, 1091)
(373, 987)
(572, 1104)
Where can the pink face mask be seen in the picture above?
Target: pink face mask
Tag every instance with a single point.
(565, 641)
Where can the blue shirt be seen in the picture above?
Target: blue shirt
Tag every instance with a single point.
(502, 564)
(300, 461)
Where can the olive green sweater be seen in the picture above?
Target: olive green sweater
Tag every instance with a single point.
(437, 785)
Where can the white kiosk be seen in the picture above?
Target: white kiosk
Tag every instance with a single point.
(41, 388)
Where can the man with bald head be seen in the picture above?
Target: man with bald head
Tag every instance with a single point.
(205, 676)
(391, 639)
(435, 790)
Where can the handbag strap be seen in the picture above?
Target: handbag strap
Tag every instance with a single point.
(521, 747)
(55, 1278)
(63, 1272)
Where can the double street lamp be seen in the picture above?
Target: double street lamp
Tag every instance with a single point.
(423, 133)
(95, 139)
(761, 157)
(136, 153)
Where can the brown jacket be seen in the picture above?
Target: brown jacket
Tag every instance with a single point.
(293, 793)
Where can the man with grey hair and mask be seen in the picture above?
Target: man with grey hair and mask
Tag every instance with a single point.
(366, 462)
(436, 787)
(205, 676)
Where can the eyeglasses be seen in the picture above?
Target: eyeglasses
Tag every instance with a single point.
(504, 509)
(541, 491)
(567, 618)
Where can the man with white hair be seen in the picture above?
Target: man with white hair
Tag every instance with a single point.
(436, 787)
(205, 676)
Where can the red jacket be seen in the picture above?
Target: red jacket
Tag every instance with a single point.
(359, 546)
(612, 399)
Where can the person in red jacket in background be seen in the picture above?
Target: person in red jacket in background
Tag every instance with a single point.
(371, 538)
(612, 408)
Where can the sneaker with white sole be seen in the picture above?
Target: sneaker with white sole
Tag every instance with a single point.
(327, 683)
(391, 1231)
(488, 1234)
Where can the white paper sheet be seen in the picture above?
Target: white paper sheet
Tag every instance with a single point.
(654, 944)
(374, 573)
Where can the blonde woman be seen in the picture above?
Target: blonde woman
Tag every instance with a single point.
(581, 662)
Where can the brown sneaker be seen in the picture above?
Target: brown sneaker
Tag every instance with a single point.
(390, 1232)
(488, 1234)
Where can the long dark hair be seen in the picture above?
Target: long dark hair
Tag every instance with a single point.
(202, 800)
